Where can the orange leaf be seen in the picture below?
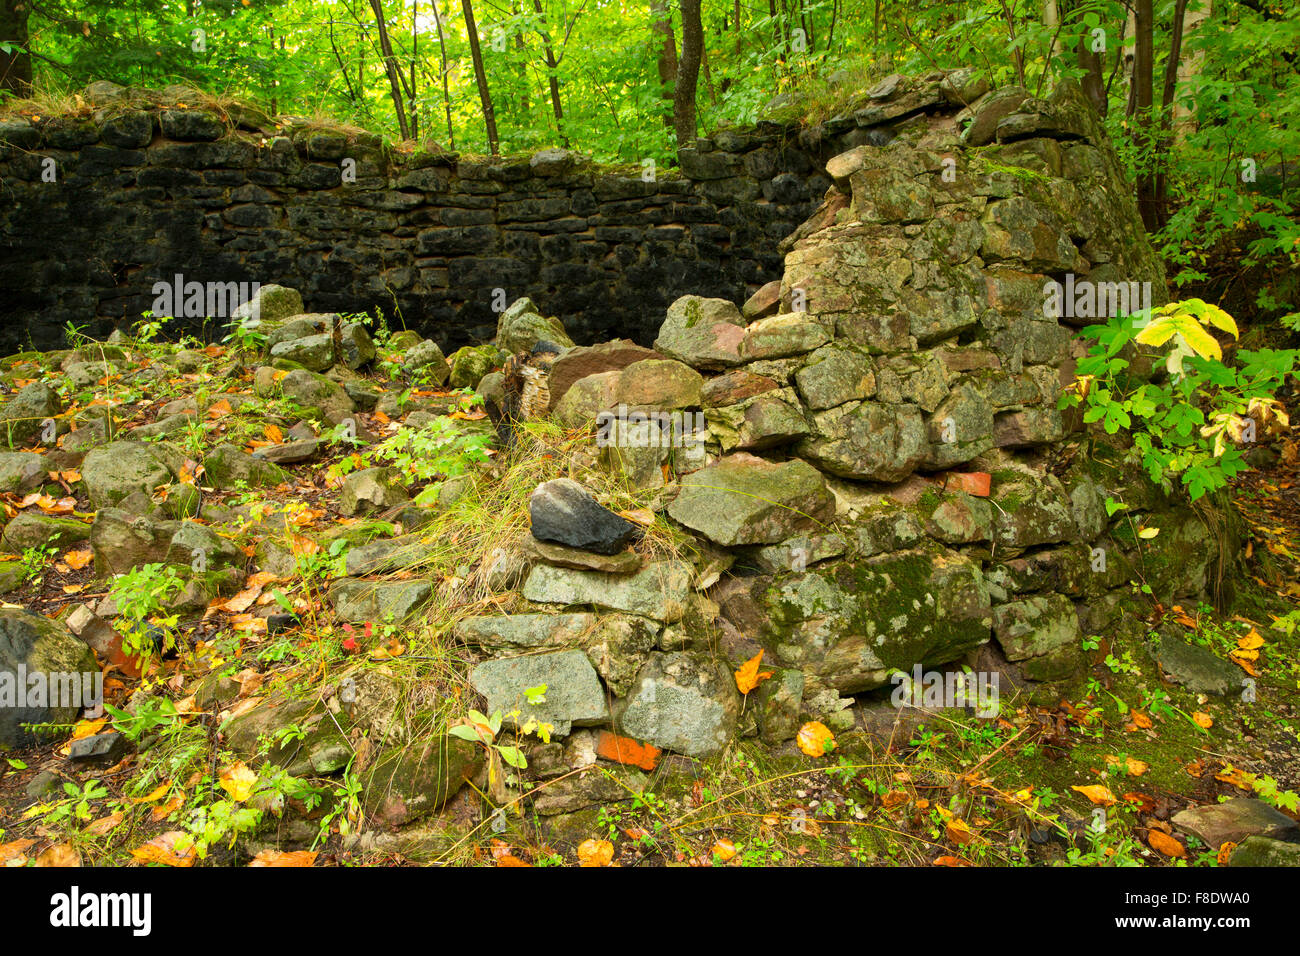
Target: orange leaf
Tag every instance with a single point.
(1204, 721)
(595, 853)
(60, 855)
(162, 849)
(724, 850)
(78, 559)
(748, 677)
(951, 861)
(284, 858)
(13, 850)
(815, 739)
(1097, 793)
(219, 409)
(273, 433)
(960, 833)
(1166, 844)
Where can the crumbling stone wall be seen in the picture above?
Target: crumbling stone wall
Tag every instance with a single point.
(98, 208)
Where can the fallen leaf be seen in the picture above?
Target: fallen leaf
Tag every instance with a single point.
(595, 853)
(162, 849)
(748, 677)
(960, 833)
(238, 780)
(284, 858)
(14, 849)
(104, 825)
(78, 559)
(724, 850)
(1202, 720)
(626, 750)
(59, 855)
(1097, 793)
(1166, 844)
(815, 739)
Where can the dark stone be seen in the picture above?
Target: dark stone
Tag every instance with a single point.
(106, 748)
(564, 512)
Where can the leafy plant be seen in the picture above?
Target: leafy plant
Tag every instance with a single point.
(1181, 424)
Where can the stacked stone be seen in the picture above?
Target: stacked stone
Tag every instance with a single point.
(880, 477)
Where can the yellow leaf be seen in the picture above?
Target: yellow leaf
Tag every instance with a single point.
(1097, 793)
(815, 739)
(960, 833)
(1147, 534)
(595, 853)
(748, 677)
(238, 780)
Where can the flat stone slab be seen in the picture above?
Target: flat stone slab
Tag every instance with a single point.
(659, 590)
(360, 601)
(524, 630)
(573, 695)
(1235, 820)
(1261, 851)
(1195, 667)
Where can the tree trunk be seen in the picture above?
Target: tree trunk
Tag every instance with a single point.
(390, 67)
(1198, 11)
(480, 77)
(15, 67)
(666, 49)
(688, 73)
(552, 80)
(1142, 102)
(446, 94)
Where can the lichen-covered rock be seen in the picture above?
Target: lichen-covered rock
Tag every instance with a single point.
(703, 333)
(23, 418)
(867, 441)
(359, 601)
(121, 540)
(226, 466)
(411, 782)
(658, 384)
(1041, 632)
(682, 701)
(521, 327)
(746, 500)
(850, 623)
(113, 471)
(45, 655)
(659, 590)
(37, 531)
(763, 421)
(372, 489)
(834, 375)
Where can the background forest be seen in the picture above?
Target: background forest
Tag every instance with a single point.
(1202, 96)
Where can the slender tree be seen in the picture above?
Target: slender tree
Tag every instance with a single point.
(480, 77)
(553, 80)
(665, 45)
(446, 94)
(688, 73)
(390, 67)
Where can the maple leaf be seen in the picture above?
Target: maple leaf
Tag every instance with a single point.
(748, 677)
(815, 739)
(238, 781)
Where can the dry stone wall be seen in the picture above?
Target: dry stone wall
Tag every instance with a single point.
(96, 209)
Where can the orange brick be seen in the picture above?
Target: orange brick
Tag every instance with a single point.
(626, 750)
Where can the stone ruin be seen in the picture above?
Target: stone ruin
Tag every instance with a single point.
(868, 454)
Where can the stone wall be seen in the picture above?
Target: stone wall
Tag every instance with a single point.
(145, 188)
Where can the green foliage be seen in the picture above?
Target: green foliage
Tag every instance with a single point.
(1180, 423)
(142, 595)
